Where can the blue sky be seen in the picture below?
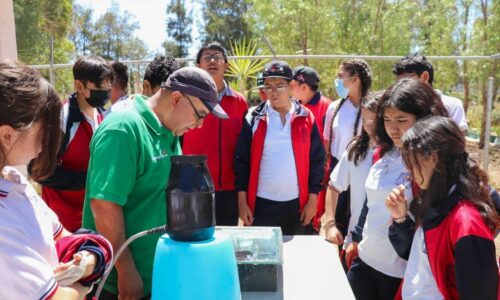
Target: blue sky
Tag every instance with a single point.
(151, 17)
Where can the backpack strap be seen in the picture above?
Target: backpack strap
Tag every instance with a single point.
(74, 116)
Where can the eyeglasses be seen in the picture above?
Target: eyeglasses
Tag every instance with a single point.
(216, 57)
(278, 89)
(199, 116)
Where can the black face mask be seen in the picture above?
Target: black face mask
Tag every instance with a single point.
(98, 98)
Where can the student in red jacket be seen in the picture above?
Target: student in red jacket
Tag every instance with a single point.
(217, 138)
(449, 247)
(305, 85)
(64, 190)
(279, 159)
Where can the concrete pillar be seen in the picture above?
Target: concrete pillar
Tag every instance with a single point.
(8, 46)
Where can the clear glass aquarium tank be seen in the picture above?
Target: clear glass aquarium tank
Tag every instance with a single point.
(259, 255)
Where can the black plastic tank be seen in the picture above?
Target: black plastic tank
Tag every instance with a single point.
(190, 199)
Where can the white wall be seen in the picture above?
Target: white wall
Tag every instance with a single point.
(8, 47)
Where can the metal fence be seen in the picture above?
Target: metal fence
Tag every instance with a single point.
(137, 68)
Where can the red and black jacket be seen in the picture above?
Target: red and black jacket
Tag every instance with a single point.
(318, 105)
(459, 246)
(217, 140)
(307, 147)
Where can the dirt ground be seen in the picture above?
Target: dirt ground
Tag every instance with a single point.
(494, 161)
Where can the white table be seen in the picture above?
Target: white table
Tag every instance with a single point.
(311, 271)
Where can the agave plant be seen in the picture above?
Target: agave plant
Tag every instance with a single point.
(243, 70)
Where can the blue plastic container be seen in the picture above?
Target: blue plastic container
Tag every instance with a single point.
(195, 270)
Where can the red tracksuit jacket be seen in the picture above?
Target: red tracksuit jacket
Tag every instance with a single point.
(306, 144)
(217, 140)
(460, 248)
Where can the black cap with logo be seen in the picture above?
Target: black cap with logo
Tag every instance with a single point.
(277, 69)
(307, 75)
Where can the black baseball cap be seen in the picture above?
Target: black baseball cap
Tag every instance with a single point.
(196, 82)
(307, 75)
(277, 69)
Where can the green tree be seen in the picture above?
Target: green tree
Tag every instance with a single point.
(36, 22)
(114, 36)
(225, 21)
(82, 29)
(178, 29)
(485, 41)
(39, 22)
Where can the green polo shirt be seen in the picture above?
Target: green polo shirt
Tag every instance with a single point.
(130, 165)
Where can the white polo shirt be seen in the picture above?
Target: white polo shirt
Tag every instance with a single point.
(27, 249)
(346, 174)
(375, 249)
(278, 173)
(419, 282)
(343, 126)
(455, 109)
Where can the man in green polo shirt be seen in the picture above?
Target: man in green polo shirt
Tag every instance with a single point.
(129, 169)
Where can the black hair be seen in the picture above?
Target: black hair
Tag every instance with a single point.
(313, 88)
(212, 46)
(361, 143)
(410, 96)
(160, 69)
(26, 98)
(120, 71)
(415, 63)
(360, 68)
(94, 69)
(442, 137)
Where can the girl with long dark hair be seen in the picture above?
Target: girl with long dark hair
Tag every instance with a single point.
(449, 244)
(351, 171)
(377, 272)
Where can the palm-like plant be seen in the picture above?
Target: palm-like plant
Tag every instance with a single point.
(244, 69)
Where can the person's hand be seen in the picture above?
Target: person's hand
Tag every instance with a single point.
(396, 202)
(90, 261)
(245, 214)
(351, 253)
(309, 210)
(81, 266)
(333, 235)
(130, 285)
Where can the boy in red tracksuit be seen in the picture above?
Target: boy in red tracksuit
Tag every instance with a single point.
(217, 138)
(279, 159)
(305, 89)
(64, 190)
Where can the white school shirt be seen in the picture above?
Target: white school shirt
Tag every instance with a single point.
(346, 174)
(27, 249)
(419, 283)
(455, 109)
(278, 173)
(343, 126)
(375, 249)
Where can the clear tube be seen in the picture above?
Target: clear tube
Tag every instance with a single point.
(159, 229)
